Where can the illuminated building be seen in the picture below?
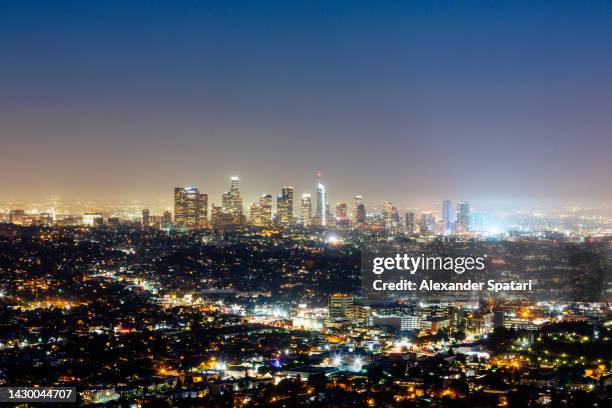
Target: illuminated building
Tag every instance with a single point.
(255, 214)
(428, 221)
(146, 218)
(190, 208)
(113, 222)
(235, 201)
(479, 221)
(91, 219)
(463, 216)
(359, 211)
(321, 205)
(387, 215)
(341, 305)
(410, 223)
(166, 220)
(222, 218)
(265, 209)
(226, 200)
(306, 210)
(16, 217)
(284, 206)
(447, 217)
(341, 211)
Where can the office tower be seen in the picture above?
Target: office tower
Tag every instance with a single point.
(146, 218)
(265, 209)
(387, 214)
(341, 211)
(306, 210)
(410, 223)
(92, 219)
(166, 221)
(255, 214)
(113, 222)
(236, 200)
(321, 205)
(359, 211)
(16, 217)
(226, 200)
(479, 221)
(222, 218)
(284, 206)
(341, 305)
(190, 208)
(463, 216)
(447, 216)
(428, 221)
(395, 218)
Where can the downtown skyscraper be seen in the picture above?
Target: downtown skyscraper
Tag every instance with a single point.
(306, 210)
(321, 205)
(359, 211)
(190, 208)
(284, 206)
(463, 216)
(447, 216)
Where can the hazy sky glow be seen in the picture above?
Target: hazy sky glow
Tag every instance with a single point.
(505, 101)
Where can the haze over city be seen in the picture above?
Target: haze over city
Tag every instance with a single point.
(503, 104)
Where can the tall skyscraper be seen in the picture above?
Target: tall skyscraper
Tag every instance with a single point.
(234, 201)
(166, 221)
(265, 210)
(306, 210)
(226, 200)
(428, 222)
(284, 206)
(321, 204)
(190, 207)
(359, 211)
(146, 218)
(255, 214)
(447, 216)
(387, 214)
(410, 222)
(463, 215)
(341, 211)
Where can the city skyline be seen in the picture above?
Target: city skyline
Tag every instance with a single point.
(501, 103)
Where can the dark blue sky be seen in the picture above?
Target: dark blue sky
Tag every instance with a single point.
(504, 102)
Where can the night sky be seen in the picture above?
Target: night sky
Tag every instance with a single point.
(501, 103)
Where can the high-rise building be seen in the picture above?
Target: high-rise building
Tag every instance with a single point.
(447, 216)
(16, 217)
(428, 222)
(92, 219)
(190, 208)
(387, 214)
(479, 221)
(255, 214)
(341, 305)
(146, 218)
(265, 210)
(359, 211)
(284, 206)
(226, 200)
(321, 205)
(306, 210)
(463, 215)
(222, 218)
(341, 211)
(166, 221)
(410, 222)
(235, 200)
